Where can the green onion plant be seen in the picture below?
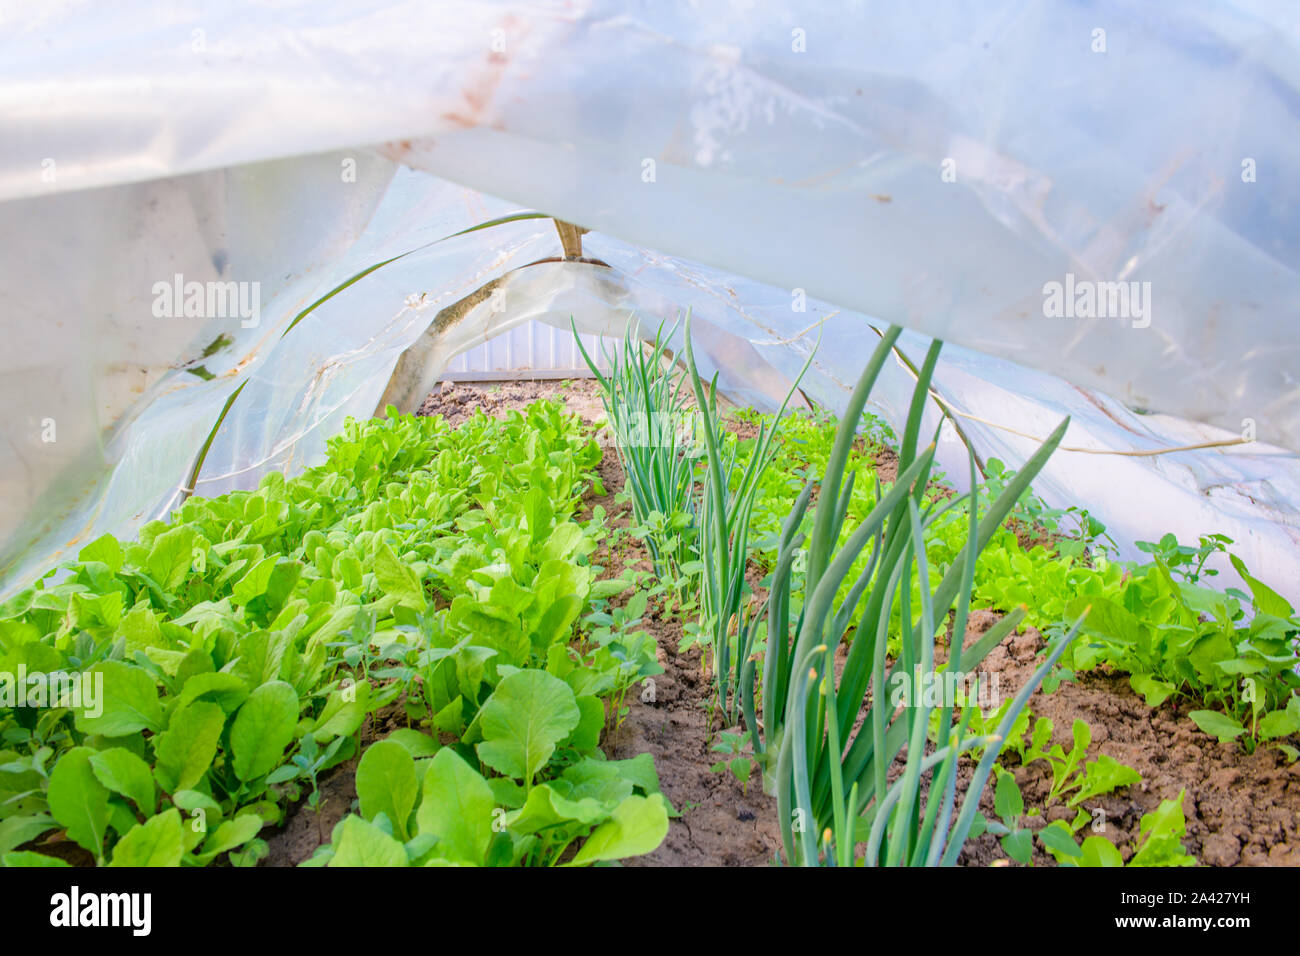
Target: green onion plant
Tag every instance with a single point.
(648, 415)
(724, 541)
(828, 762)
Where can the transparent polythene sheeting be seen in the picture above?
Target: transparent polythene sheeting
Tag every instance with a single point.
(935, 167)
(1246, 492)
(108, 389)
(754, 337)
(826, 172)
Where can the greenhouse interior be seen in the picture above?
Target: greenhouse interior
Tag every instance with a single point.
(650, 434)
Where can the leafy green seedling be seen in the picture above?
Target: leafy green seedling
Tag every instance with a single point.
(740, 765)
(1009, 805)
(1069, 772)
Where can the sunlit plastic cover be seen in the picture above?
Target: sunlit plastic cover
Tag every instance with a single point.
(784, 173)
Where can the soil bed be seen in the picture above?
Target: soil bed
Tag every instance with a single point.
(1241, 809)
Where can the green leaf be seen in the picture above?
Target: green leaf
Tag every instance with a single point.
(1154, 691)
(457, 808)
(1104, 775)
(528, 714)
(361, 843)
(639, 826)
(129, 702)
(170, 557)
(28, 858)
(231, 835)
(1019, 845)
(17, 830)
(123, 772)
(546, 808)
(1160, 836)
(417, 744)
(185, 751)
(1267, 600)
(344, 711)
(386, 784)
(1098, 851)
(253, 584)
(397, 579)
(1107, 619)
(156, 842)
(1007, 800)
(586, 735)
(225, 689)
(1281, 723)
(1217, 725)
(105, 548)
(79, 801)
(1058, 840)
(263, 728)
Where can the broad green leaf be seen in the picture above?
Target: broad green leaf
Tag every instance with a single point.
(1160, 836)
(1107, 619)
(639, 826)
(1059, 841)
(26, 858)
(1019, 845)
(456, 808)
(1217, 725)
(141, 630)
(586, 735)
(527, 715)
(344, 711)
(1281, 723)
(1154, 691)
(253, 584)
(123, 772)
(361, 843)
(156, 842)
(1007, 800)
(225, 689)
(397, 579)
(1104, 775)
(186, 749)
(79, 801)
(15, 831)
(231, 835)
(263, 728)
(386, 784)
(1098, 851)
(546, 808)
(128, 703)
(1266, 599)
(106, 549)
(170, 557)
(416, 744)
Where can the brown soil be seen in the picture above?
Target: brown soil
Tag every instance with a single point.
(721, 822)
(457, 401)
(1241, 809)
(305, 829)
